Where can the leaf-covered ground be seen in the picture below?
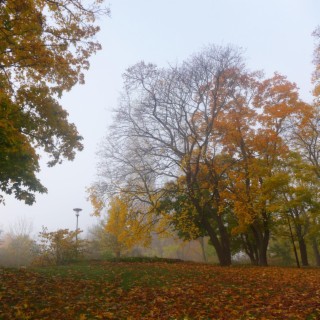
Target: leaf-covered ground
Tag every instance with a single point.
(106, 290)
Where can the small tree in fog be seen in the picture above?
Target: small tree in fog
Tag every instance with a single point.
(99, 242)
(18, 247)
(59, 247)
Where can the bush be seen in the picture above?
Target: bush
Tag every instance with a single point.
(59, 247)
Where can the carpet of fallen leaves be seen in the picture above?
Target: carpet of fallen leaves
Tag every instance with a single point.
(103, 290)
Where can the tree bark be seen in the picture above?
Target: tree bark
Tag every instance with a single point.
(224, 239)
(316, 252)
(223, 251)
(302, 246)
(293, 244)
(263, 248)
(204, 256)
(250, 249)
(262, 240)
(303, 253)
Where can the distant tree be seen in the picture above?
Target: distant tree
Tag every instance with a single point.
(99, 243)
(21, 227)
(281, 252)
(44, 47)
(18, 251)
(19, 248)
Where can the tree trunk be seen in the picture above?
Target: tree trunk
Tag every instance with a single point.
(204, 256)
(303, 253)
(250, 249)
(293, 244)
(224, 239)
(223, 251)
(262, 240)
(222, 245)
(316, 252)
(302, 246)
(263, 260)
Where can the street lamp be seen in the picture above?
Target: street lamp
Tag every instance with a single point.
(77, 210)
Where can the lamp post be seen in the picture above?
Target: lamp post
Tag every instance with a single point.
(77, 210)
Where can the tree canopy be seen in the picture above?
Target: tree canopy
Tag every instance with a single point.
(44, 49)
(216, 150)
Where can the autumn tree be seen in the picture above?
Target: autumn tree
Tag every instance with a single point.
(59, 247)
(116, 225)
(164, 129)
(127, 223)
(44, 48)
(305, 141)
(304, 138)
(254, 134)
(177, 209)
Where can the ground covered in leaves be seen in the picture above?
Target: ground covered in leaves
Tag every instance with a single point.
(158, 290)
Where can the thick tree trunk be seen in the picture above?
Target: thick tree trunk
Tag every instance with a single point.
(222, 249)
(316, 252)
(263, 248)
(221, 243)
(303, 253)
(262, 240)
(224, 239)
(302, 246)
(250, 249)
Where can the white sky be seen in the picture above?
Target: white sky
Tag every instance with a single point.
(276, 35)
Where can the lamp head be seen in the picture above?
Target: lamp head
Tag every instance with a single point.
(77, 210)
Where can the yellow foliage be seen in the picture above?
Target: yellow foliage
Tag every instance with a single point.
(130, 224)
(96, 202)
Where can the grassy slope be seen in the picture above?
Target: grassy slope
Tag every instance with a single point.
(159, 290)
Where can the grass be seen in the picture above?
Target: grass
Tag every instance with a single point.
(158, 289)
(127, 272)
(145, 259)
